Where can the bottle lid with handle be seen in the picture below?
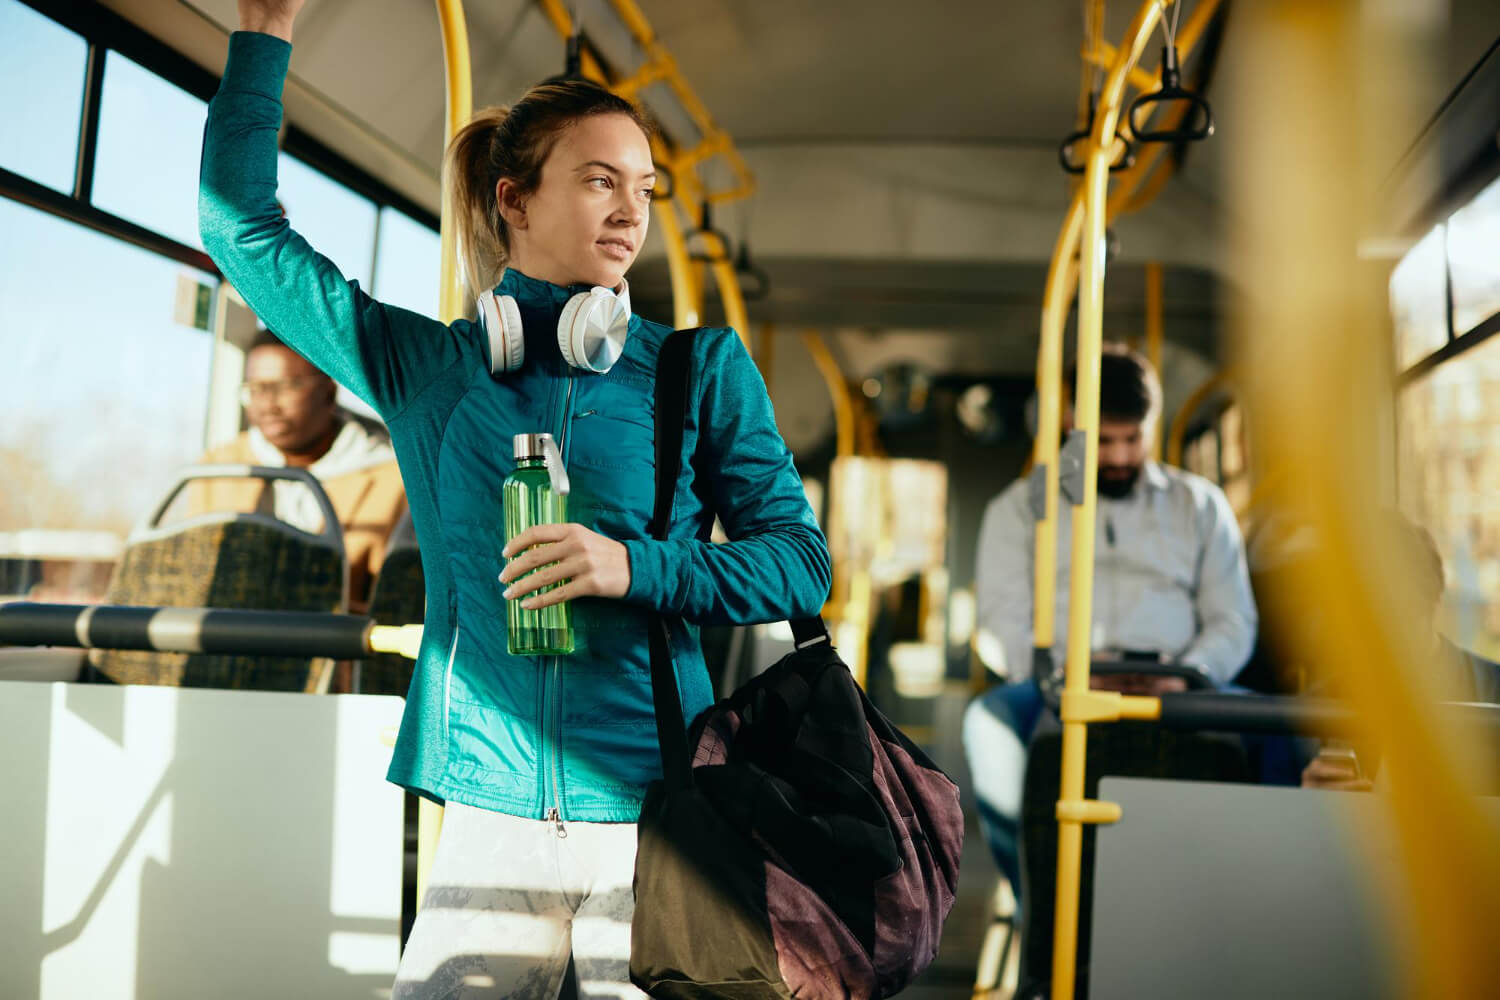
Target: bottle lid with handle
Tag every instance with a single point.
(534, 446)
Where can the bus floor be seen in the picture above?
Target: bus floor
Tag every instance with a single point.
(952, 974)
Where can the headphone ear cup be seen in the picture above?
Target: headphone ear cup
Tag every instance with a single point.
(565, 328)
(592, 329)
(501, 318)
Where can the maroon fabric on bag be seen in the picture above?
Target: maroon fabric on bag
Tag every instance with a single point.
(909, 914)
(818, 957)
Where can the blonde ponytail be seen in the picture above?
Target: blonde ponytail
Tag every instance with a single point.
(468, 168)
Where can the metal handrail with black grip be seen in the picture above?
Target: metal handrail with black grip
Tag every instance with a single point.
(203, 630)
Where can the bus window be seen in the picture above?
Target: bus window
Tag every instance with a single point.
(406, 263)
(103, 403)
(1419, 308)
(150, 135)
(48, 117)
(1450, 418)
(340, 223)
(1473, 235)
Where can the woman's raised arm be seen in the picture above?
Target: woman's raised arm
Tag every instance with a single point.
(383, 354)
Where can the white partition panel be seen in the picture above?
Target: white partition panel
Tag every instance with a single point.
(164, 843)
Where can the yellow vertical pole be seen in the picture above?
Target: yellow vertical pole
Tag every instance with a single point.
(1071, 806)
(1317, 419)
(838, 391)
(765, 357)
(686, 306)
(1062, 280)
(730, 295)
(1154, 337)
(451, 306)
(460, 95)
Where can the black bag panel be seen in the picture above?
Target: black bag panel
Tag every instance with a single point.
(700, 927)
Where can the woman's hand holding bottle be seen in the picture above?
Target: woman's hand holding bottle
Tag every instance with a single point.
(592, 565)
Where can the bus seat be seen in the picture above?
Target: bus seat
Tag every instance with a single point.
(228, 560)
(1124, 749)
(399, 597)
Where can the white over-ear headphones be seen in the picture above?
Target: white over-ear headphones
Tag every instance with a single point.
(591, 331)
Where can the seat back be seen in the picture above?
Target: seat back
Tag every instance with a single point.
(228, 560)
(399, 597)
(1125, 749)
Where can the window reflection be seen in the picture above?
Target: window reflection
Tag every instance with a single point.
(45, 62)
(1450, 428)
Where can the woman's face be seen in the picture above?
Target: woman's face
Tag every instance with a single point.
(587, 219)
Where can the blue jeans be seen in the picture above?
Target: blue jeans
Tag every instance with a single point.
(997, 729)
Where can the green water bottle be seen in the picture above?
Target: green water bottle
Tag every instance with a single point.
(536, 493)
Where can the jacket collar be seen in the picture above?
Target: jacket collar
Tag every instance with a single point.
(535, 293)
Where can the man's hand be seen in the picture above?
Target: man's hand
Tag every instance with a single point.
(1334, 774)
(591, 565)
(270, 17)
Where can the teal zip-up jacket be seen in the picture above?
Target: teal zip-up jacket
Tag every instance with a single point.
(524, 735)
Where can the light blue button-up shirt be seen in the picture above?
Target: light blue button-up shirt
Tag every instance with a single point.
(1169, 575)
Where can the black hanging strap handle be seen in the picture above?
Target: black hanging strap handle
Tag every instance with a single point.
(673, 376)
(1071, 163)
(706, 228)
(1198, 122)
(759, 285)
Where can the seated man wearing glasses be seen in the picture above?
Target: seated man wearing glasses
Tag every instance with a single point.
(296, 421)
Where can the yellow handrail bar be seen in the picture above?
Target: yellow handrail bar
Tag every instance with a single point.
(1155, 332)
(1071, 806)
(1062, 279)
(460, 107)
(451, 306)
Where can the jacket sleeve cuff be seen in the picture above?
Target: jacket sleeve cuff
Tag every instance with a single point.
(257, 63)
(653, 575)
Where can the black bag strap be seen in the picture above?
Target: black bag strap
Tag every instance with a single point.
(673, 379)
(673, 376)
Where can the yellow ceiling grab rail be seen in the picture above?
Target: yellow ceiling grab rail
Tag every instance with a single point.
(1182, 419)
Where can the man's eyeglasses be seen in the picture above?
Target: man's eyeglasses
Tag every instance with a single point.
(276, 388)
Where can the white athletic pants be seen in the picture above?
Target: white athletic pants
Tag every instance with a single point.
(509, 898)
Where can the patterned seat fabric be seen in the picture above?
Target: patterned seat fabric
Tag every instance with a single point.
(399, 597)
(226, 561)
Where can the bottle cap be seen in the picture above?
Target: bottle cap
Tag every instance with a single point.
(529, 446)
(533, 446)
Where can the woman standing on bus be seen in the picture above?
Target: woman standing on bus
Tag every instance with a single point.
(542, 761)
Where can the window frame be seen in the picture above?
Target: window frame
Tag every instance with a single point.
(104, 31)
(1459, 343)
